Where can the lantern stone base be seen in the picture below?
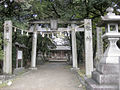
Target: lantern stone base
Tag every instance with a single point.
(106, 77)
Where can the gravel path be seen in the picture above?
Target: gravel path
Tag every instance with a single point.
(50, 76)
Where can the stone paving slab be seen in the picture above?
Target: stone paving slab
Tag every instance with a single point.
(50, 76)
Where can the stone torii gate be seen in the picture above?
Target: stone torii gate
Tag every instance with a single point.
(7, 65)
(74, 28)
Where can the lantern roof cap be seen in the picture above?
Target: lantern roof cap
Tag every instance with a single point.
(109, 18)
(110, 15)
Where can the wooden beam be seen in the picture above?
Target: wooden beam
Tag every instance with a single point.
(59, 22)
(59, 30)
(39, 22)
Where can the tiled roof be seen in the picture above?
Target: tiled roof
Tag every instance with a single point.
(62, 48)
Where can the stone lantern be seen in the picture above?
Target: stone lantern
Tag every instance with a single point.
(106, 75)
(110, 21)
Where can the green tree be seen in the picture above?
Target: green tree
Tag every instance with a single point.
(23, 11)
(1, 50)
(44, 45)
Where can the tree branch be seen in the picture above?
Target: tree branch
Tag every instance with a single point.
(55, 11)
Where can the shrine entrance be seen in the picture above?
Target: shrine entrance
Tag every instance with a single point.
(52, 27)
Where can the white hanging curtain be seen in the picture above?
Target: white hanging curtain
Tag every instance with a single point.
(22, 32)
(15, 29)
(27, 34)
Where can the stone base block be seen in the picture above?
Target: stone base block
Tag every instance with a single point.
(75, 69)
(108, 79)
(92, 85)
(108, 68)
(33, 68)
(18, 70)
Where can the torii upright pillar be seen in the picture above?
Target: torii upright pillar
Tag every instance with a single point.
(74, 48)
(34, 49)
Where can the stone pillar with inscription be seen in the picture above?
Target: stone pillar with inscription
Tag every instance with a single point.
(99, 52)
(7, 62)
(74, 48)
(99, 43)
(34, 48)
(88, 47)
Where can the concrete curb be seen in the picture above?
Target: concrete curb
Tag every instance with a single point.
(81, 79)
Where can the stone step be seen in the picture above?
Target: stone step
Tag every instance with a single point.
(108, 68)
(92, 85)
(111, 79)
(19, 70)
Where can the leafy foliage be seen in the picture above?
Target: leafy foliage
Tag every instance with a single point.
(23, 11)
(1, 51)
(45, 43)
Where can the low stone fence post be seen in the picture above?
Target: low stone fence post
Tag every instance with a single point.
(7, 62)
